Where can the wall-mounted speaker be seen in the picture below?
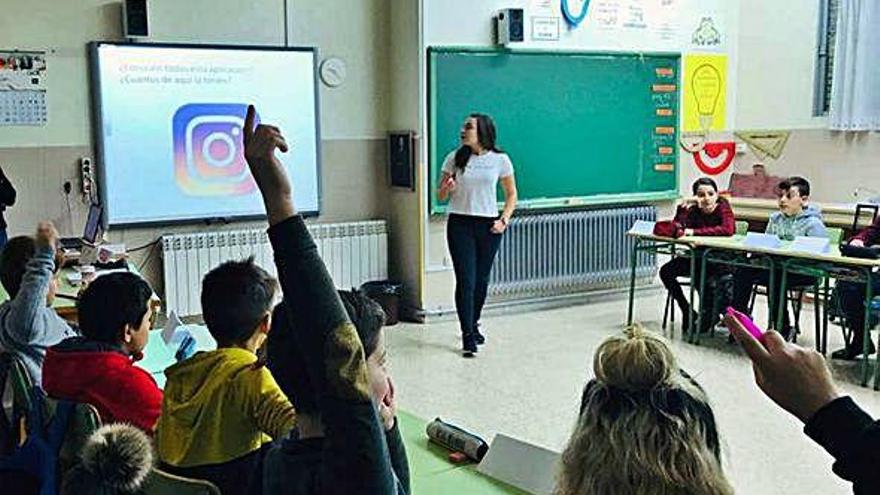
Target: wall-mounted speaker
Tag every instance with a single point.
(135, 19)
(402, 159)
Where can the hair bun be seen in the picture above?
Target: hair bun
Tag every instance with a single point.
(636, 361)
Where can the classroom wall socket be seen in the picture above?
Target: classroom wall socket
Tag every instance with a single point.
(86, 175)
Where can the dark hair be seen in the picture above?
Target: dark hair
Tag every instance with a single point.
(704, 181)
(800, 183)
(13, 261)
(235, 297)
(110, 303)
(285, 359)
(485, 135)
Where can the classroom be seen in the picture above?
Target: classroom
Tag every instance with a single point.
(560, 247)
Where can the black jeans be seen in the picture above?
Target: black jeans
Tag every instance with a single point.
(473, 247)
(852, 300)
(746, 277)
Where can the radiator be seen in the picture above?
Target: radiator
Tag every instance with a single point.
(569, 252)
(353, 252)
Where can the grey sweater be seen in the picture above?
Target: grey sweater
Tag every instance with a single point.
(28, 326)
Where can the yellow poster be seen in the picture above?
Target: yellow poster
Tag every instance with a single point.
(704, 92)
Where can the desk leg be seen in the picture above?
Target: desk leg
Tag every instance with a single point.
(771, 290)
(825, 317)
(781, 301)
(866, 338)
(691, 322)
(632, 282)
(703, 265)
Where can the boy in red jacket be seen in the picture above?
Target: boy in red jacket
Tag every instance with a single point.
(98, 368)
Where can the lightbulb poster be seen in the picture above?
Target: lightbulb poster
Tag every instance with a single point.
(704, 93)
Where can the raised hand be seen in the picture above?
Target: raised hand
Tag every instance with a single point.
(260, 143)
(795, 378)
(47, 234)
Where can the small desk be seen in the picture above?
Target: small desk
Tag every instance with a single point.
(824, 265)
(66, 306)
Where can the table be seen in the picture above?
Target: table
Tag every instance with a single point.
(65, 298)
(825, 265)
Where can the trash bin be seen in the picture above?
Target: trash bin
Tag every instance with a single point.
(387, 294)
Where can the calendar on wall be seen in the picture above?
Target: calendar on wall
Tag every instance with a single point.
(23, 88)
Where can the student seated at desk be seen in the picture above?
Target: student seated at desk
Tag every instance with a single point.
(28, 324)
(115, 317)
(852, 298)
(796, 217)
(223, 407)
(645, 426)
(293, 466)
(710, 216)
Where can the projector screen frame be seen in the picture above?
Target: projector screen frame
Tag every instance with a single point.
(98, 124)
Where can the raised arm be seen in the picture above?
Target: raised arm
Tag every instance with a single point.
(355, 458)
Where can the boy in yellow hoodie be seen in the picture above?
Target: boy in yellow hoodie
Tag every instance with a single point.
(221, 407)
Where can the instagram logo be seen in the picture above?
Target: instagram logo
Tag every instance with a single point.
(208, 154)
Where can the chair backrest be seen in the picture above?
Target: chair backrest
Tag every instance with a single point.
(84, 420)
(161, 483)
(858, 215)
(15, 386)
(835, 235)
(741, 227)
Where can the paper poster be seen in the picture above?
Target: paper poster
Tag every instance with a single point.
(545, 28)
(704, 92)
(714, 158)
(23, 88)
(543, 7)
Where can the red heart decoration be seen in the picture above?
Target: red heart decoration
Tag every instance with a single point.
(714, 150)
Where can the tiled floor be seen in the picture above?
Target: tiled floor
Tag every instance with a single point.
(526, 382)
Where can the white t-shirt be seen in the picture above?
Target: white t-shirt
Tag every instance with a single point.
(475, 188)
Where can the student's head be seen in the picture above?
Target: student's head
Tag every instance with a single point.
(237, 299)
(115, 308)
(644, 427)
(13, 262)
(706, 192)
(115, 460)
(794, 193)
(286, 360)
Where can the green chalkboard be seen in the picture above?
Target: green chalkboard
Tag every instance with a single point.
(580, 128)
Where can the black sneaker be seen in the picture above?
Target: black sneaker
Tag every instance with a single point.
(852, 352)
(686, 320)
(468, 347)
(479, 338)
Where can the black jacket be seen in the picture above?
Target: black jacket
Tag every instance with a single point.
(7, 197)
(853, 438)
(294, 466)
(354, 455)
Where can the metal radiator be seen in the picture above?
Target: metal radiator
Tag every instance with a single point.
(559, 253)
(353, 252)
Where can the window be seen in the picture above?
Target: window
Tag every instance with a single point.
(825, 56)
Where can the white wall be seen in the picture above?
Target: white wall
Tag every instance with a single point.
(777, 59)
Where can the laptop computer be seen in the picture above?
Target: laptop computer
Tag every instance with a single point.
(91, 231)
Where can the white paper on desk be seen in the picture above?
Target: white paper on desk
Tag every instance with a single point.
(760, 240)
(642, 227)
(170, 326)
(815, 245)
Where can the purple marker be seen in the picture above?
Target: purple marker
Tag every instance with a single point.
(747, 323)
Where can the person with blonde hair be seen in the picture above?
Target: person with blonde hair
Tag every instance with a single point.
(645, 426)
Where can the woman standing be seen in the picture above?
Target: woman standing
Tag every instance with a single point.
(469, 181)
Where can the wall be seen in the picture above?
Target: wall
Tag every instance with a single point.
(353, 116)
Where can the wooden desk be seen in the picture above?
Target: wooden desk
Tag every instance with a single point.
(822, 263)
